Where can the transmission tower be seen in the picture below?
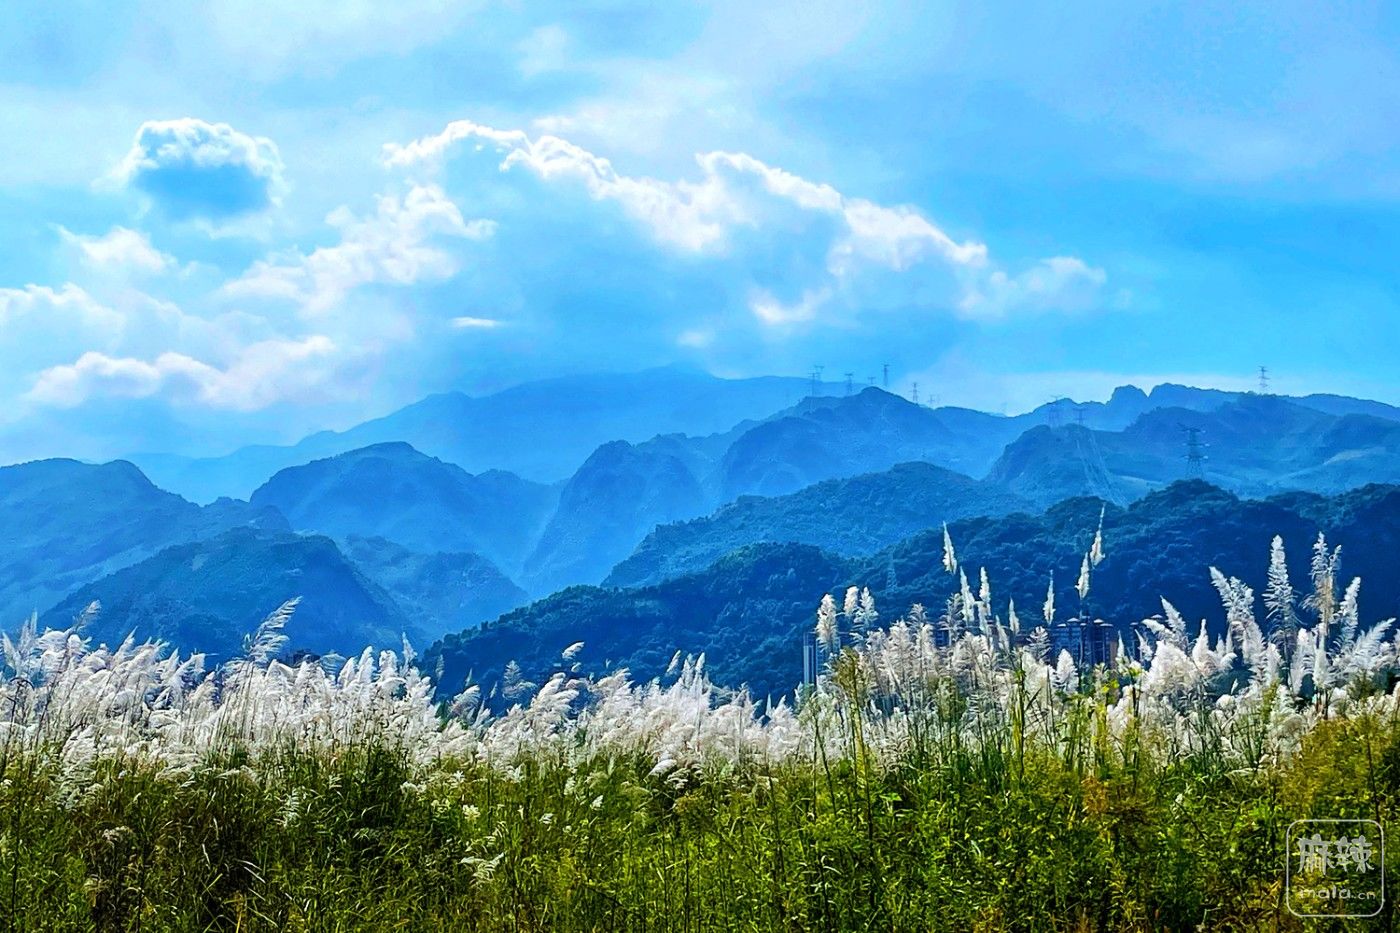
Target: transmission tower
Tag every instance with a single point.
(1096, 472)
(886, 369)
(1263, 380)
(914, 397)
(1053, 413)
(817, 380)
(850, 383)
(1195, 453)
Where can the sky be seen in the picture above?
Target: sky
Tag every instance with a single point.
(243, 221)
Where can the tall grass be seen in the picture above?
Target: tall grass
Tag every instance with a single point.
(943, 774)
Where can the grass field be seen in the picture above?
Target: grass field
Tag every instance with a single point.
(961, 783)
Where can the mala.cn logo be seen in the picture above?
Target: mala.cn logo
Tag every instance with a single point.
(1335, 868)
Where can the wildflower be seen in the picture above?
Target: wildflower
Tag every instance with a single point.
(826, 624)
(1096, 554)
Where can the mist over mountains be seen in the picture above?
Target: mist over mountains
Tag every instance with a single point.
(540, 430)
(672, 510)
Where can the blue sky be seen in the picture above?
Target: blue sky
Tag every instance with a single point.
(245, 222)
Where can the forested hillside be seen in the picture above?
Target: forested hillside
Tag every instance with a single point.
(749, 611)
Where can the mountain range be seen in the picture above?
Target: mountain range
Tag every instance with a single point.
(392, 491)
(540, 430)
(1253, 445)
(750, 610)
(457, 510)
(64, 524)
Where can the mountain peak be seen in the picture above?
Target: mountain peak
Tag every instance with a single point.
(1127, 393)
(385, 449)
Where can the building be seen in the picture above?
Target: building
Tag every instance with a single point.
(1088, 643)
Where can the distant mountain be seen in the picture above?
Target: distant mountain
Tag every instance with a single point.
(619, 494)
(1253, 445)
(392, 491)
(439, 592)
(539, 430)
(65, 523)
(623, 491)
(544, 430)
(750, 610)
(1346, 405)
(828, 438)
(207, 595)
(855, 515)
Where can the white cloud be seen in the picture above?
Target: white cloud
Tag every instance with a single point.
(697, 215)
(66, 308)
(192, 169)
(40, 326)
(394, 246)
(869, 255)
(260, 374)
(771, 311)
(120, 249)
(67, 346)
(1060, 283)
(475, 323)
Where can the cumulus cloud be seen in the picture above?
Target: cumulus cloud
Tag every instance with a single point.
(195, 170)
(119, 249)
(40, 326)
(697, 215)
(738, 261)
(68, 308)
(260, 374)
(804, 252)
(1060, 283)
(396, 245)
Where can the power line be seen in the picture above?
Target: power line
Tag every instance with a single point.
(1096, 471)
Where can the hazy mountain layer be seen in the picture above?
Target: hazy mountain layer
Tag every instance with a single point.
(848, 516)
(439, 592)
(392, 491)
(208, 595)
(65, 523)
(1253, 445)
(539, 430)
